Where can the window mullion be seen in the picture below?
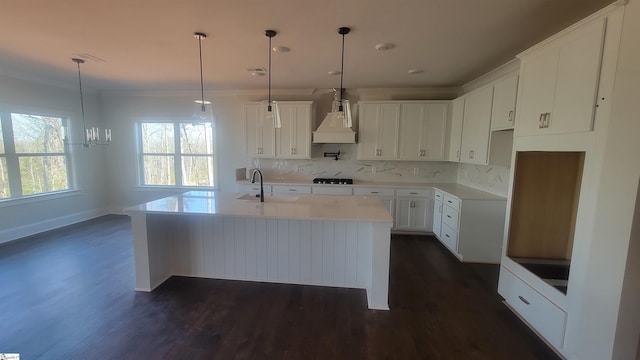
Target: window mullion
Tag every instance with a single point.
(13, 164)
(177, 158)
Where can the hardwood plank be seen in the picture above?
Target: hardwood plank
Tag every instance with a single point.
(68, 294)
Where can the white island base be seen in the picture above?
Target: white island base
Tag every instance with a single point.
(186, 241)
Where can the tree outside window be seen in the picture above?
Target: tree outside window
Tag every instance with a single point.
(177, 154)
(33, 159)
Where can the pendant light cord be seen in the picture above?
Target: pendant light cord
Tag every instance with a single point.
(84, 124)
(340, 108)
(269, 100)
(201, 78)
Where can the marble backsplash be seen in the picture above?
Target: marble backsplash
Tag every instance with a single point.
(382, 171)
(489, 178)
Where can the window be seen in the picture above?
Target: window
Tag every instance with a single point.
(33, 159)
(176, 154)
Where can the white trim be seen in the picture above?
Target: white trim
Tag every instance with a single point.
(49, 224)
(173, 189)
(27, 199)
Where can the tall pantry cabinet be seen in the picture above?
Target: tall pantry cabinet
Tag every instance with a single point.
(562, 119)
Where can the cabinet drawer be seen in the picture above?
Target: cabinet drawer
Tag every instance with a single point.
(449, 237)
(450, 216)
(364, 191)
(253, 188)
(414, 192)
(438, 194)
(291, 189)
(331, 190)
(543, 315)
(452, 201)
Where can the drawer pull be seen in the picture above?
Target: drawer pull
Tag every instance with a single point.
(447, 235)
(450, 202)
(523, 300)
(293, 190)
(413, 193)
(449, 216)
(375, 192)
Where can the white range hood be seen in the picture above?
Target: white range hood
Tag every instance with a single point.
(332, 131)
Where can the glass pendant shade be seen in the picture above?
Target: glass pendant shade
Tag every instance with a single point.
(270, 114)
(342, 109)
(202, 111)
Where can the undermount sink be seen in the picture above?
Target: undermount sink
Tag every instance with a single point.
(269, 199)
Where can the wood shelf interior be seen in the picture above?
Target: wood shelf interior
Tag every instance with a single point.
(545, 197)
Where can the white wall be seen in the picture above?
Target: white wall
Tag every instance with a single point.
(18, 219)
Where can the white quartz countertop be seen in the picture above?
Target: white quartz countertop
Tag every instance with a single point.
(303, 207)
(457, 190)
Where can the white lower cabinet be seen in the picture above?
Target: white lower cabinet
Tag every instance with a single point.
(291, 189)
(254, 188)
(546, 318)
(332, 190)
(470, 225)
(413, 210)
(386, 195)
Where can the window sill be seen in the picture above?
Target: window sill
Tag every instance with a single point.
(173, 189)
(38, 198)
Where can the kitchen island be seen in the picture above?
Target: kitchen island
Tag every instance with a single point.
(340, 241)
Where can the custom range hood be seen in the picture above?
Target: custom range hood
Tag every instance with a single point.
(336, 127)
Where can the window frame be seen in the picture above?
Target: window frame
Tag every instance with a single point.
(12, 157)
(177, 156)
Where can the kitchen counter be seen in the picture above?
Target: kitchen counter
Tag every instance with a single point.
(337, 241)
(460, 191)
(303, 207)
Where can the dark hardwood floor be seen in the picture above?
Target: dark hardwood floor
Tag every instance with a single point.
(68, 294)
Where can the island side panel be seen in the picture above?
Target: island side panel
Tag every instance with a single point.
(151, 251)
(378, 292)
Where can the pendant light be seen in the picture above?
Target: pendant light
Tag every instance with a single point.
(342, 106)
(269, 108)
(91, 135)
(202, 108)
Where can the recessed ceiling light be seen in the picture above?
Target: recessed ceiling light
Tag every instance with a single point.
(415, 71)
(384, 46)
(281, 49)
(334, 72)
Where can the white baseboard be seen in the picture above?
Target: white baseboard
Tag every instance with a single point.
(50, 224)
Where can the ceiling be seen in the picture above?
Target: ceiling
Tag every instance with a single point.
(149, 44)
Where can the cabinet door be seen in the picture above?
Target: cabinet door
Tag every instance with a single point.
(403, 218)
(437, 218)
(421, 214)
(560, 83)
(388, 127)
(259, 135)
(577, 82)
(379, 126)
(455, 133)
(293, 139)
(477, 126)
(412, 122)
(434, 129)
(368, 128)
(504, 103)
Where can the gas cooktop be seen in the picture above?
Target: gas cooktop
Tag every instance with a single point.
(333, 181)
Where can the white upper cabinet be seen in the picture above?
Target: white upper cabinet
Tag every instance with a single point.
(423, 130)
(260, 136)
(293, 139)
(455, 133)
(477, 126)
(378, 126)
(559, 83)
(504, 103)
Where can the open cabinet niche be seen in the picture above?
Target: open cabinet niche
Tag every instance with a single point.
(546, 191)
